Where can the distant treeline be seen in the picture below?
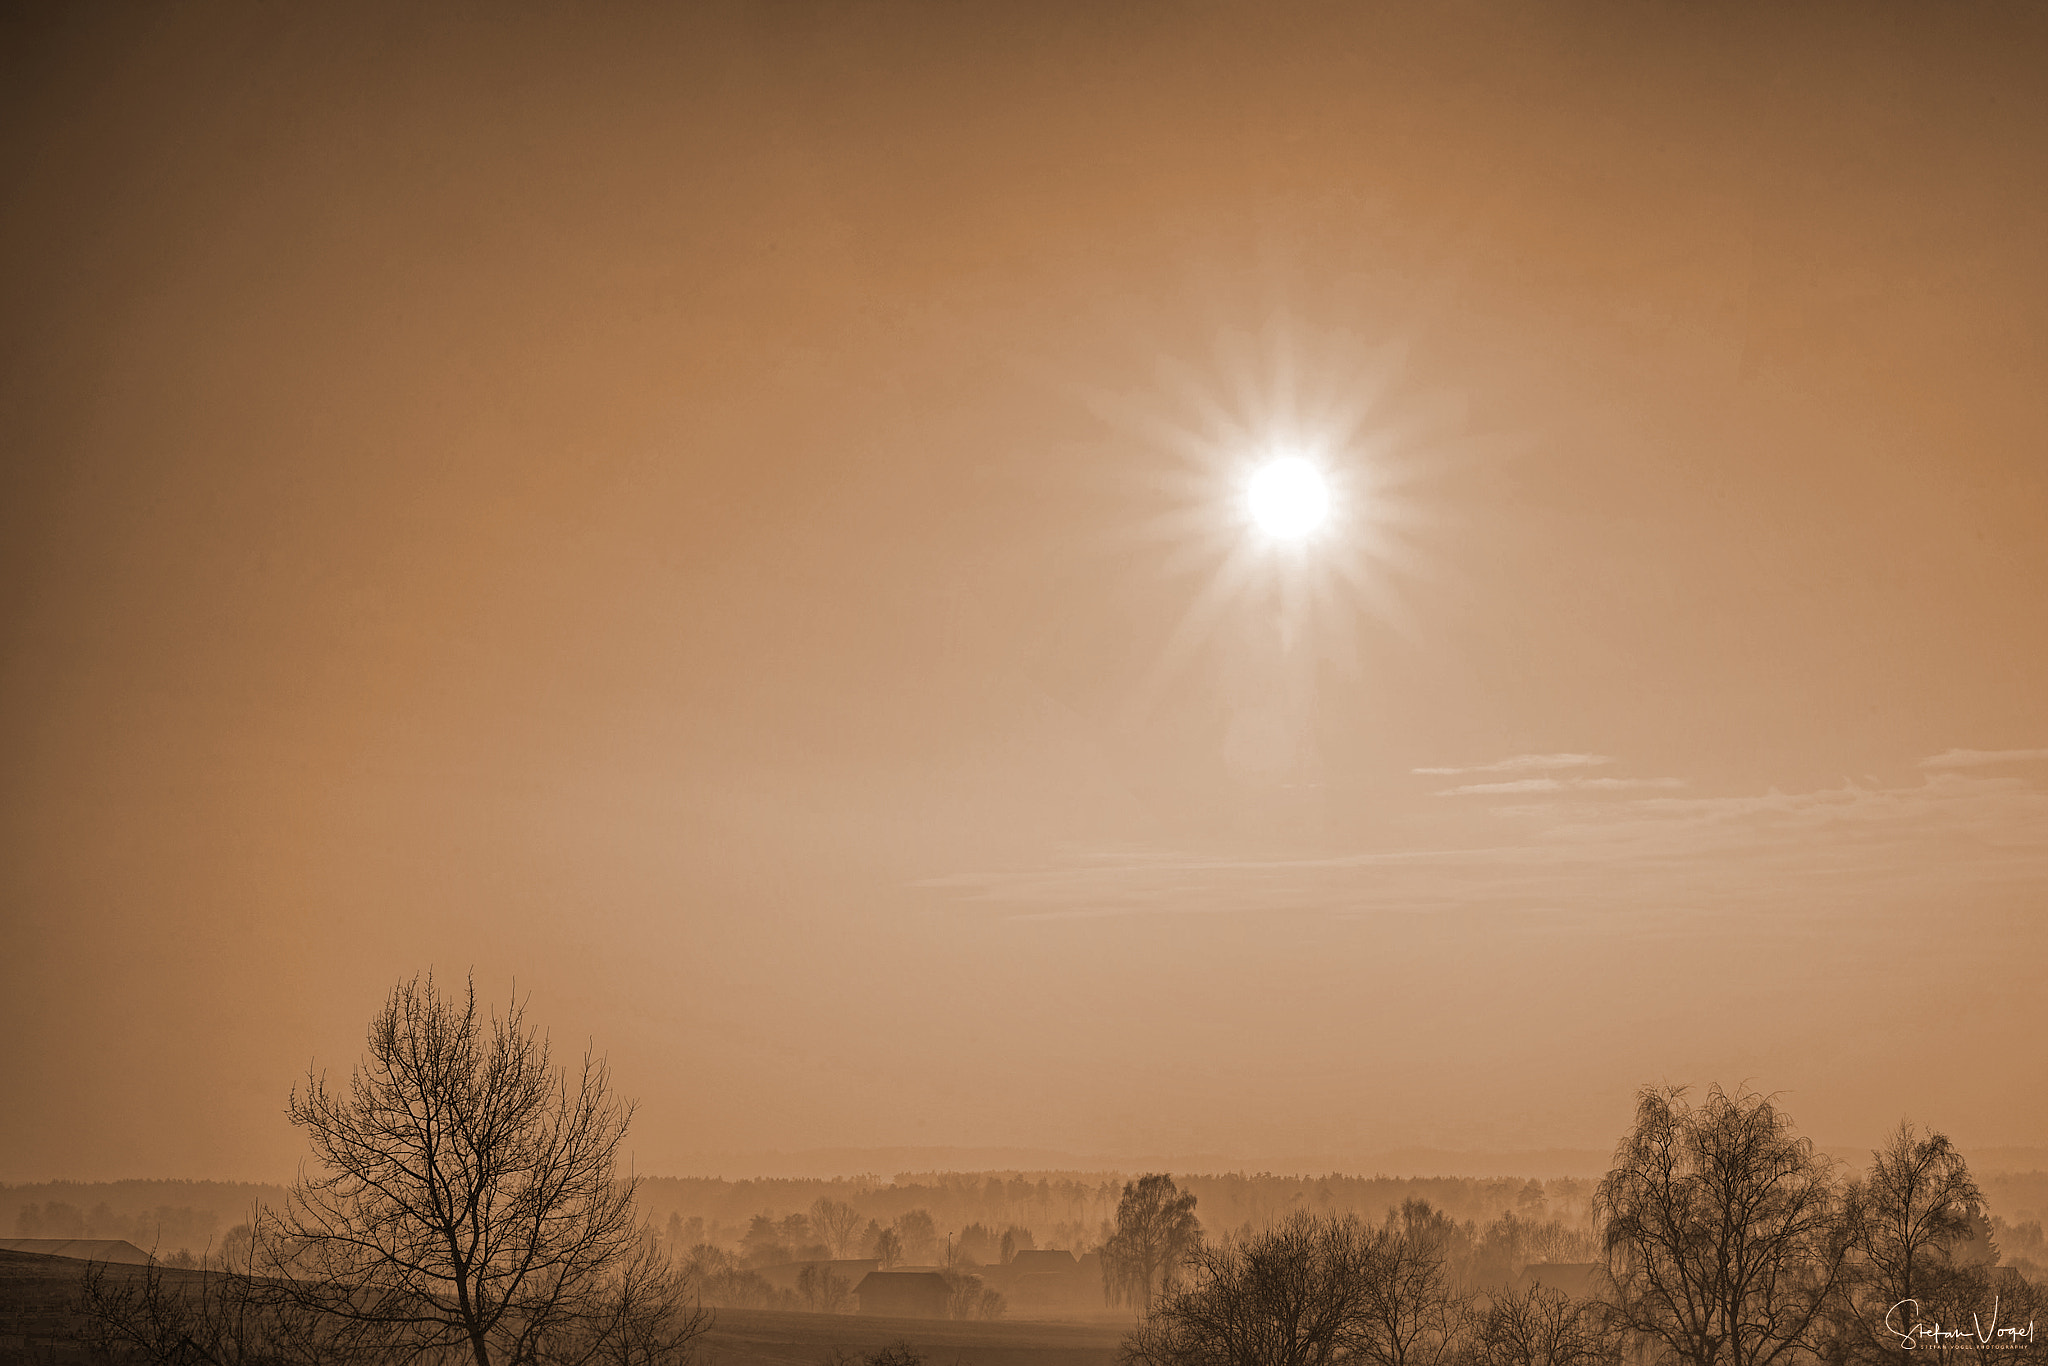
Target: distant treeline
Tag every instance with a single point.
(1070, 1209)
(1067, 1209)
(167, 1217)
(1059, 1209)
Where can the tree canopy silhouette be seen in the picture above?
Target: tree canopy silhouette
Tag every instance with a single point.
(1156, 1230)
(1726, 1235)
(467, 1197)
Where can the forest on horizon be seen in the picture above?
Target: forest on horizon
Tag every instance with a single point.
(763, 1221)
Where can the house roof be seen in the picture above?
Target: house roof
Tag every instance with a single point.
(85, 1249)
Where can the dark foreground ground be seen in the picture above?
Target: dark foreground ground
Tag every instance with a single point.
(39, 1319)
(771, 1337)
(38, 1299)
(39, 1323)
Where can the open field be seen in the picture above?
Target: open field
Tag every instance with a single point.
(38, 1308)
(774, 1337)
(39, 1297)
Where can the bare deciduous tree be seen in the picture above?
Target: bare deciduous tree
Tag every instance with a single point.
(837, 1222)
(1920, 1233)
(824, 1292)
(468, 1198)
(968, 1298)
(918, 1237)
(220, 1315)
(1978, 1316)
(1156, 1230)
(646, 1316)
(1312, 1291)
(1295, 1295)
(1725, 1234)
(1541, 1326)
(1416, 1314)
(1917, 1202)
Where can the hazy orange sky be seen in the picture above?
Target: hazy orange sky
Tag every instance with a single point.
(728, 516)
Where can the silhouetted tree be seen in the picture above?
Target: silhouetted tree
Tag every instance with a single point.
(723, 1282)
(968, 1298)
(1928, 1257)
(1298, 1294)
(837, 1222)
(888, 1248)
(1017, 1240)
(1541, 1326)
(1993, 1310)
(763, 1243)
(1917, 1205)
(822, 1291)
(918, 1236)
(1502, 1249)
(976, 1245)
(1416, 1315)
(238, 1247)
(1725, 1234)
(1156, 1230)
(152, 1314)
(645, 1315)
(468, 1198)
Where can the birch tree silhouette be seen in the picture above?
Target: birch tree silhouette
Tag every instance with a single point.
(1726, 1235)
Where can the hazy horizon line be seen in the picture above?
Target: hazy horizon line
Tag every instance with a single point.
(888, 1164)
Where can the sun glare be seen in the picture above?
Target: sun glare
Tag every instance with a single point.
(1289, 498)
(1282, 503)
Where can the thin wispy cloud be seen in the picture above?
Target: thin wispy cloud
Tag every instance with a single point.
(1818, 856)
(1623, 784)
(1977, 758)
(1558, 785)
(1524, 763)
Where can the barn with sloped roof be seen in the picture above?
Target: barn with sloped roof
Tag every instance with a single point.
(903, 1294)
(114, 1250)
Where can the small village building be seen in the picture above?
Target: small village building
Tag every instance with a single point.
(1049, 1282)
(903, 1294)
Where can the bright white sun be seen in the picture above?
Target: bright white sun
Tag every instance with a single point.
(1289, 498)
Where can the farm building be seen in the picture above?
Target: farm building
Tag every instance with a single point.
(84, 1249)
(1049, 1282)
(903, 1294)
